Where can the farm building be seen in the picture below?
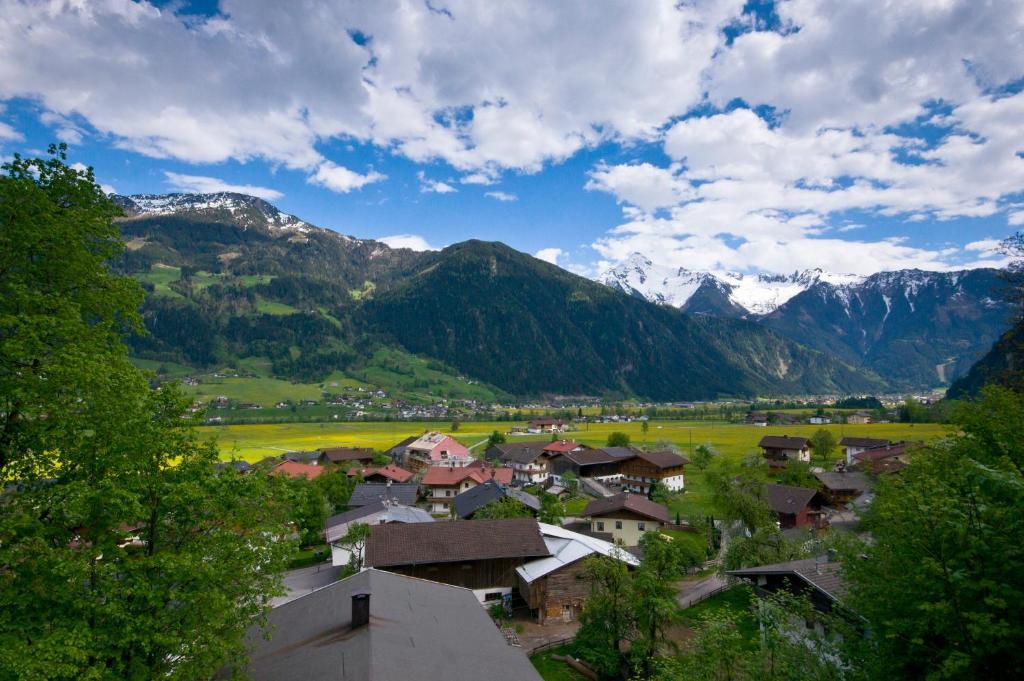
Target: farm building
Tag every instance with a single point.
(644, 469)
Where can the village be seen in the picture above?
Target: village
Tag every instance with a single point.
(514, 524)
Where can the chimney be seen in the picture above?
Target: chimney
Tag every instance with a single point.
(360, 609)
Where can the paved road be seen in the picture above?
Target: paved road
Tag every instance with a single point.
(695, 592)
(300, 582)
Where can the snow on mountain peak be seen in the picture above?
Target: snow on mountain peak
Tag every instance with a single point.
(249, 210)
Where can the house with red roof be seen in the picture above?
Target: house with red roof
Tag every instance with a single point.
(294, 469)
(444, 483)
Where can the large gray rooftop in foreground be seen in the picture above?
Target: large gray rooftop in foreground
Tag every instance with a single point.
(418, 630)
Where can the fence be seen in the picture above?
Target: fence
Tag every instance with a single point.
(548, 645)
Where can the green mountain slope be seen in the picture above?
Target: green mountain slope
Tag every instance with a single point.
(1002, 365)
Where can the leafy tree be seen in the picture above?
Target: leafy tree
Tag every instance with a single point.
(798, 474)
(496, 438)
(659, 493)
(947, 538)
(355, 542)
(336, 487)
(654, 597)
(702, 456)
(455, 425)
(607, 618)
(551, 509)
(570, 481)
(912, 411)
(309, 509)
(617, 439)
(644, 427)
(823, 443)
(506, 507)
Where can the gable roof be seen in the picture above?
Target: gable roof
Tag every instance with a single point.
(294, 469)
(312, 637)
(865, 442)
(624, 501)
(391, 472)
(404, 443)
(472, 500)
(336, 526)
(826, 577)
(788, 499)
(884, 452)
(591, 457)
(301, 456)
(562, 446)
(845, 481)
(516, 452)
(620, 452)
(567, 547)
(337, 454)
(783, 442)
(450, 542)
(367, 492)
(447, 476)
(663, 459)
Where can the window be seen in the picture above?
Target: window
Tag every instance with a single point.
(600, 526)
(641, 526)
(447, 492)
(618, 524)
(493, 596)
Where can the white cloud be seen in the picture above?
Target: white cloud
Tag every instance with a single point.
(502, 196)
(1015, 218)
(484, 177)
(550, 255)
(428, 186)
(199, 184)
(10, 134)
(342, 180)
(413, 242)
(642, 185)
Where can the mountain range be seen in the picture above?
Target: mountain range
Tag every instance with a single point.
(231, 278)
(914, 328)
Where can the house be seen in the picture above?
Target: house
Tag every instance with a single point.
(626, 517)
(546, 425)
(381, 626)
(346, 455)
(599, 464)
(240, 467)
(562, 446)
(556, 588)
(840, 488)
(756, 418)
(529, 460)
(435, 449)
(310, 457)
(644, 469)
(397, 453)
(855, 445)
(891, 458)
(294, 469)
(795, 506)
(375, 513)
(859, 418)
(481, 555)
(443, 484)
(819, 420)
(467, 503)
(382, 474)
(820, 578)
(779, 449)
(368, 492)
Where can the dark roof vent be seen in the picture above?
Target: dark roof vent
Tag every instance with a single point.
(360, 609)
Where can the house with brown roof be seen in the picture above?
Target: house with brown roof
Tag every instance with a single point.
(443, 484)
(647, 468)
(602, 465)
(346, 455)
(528, 460)
(839, 488)
(856, 445)
(547, 425)
(379, 512)
(481, 555)
(820, 578)
(626, 517)
(795, 506)
(859, 418)
(779, 449)
(382, 474)
(888, 459)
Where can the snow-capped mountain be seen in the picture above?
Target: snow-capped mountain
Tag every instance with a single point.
(719, 292)
(915, 328)
(240, 209)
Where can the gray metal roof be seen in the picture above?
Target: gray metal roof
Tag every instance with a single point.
(418, 629)
(368, 492)
(820, 573)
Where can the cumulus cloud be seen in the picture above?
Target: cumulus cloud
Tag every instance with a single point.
(501, 196)
(200, 184)
(9, 134)
(428, 186)
(550, 255)
(342, 180)
(413, 242)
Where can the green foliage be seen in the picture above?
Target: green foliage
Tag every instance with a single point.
(797, 474)
(455, 425)
(607, 618)
(702, 456)
(335, 487)
(309, 509)
(941, 584)
(617, 439)
(912, 411)
(496, 438)
(823, 444)
(355, 541)
(506, 507)
(570, 481)
(551, 509)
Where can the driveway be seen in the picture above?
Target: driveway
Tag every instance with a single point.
(304, 580)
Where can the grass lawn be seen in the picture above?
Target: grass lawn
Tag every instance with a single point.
(737, 600)
(273, 307)
(550, 670)
(264, 391)
(574, 507)
(308, 556)
(160, 276)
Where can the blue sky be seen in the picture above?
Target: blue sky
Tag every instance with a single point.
(720, 135)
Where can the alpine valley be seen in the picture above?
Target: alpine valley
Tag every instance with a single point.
(233, 280)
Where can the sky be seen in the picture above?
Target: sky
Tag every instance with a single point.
(724, 135)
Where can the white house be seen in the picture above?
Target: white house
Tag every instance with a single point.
(376, 513)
